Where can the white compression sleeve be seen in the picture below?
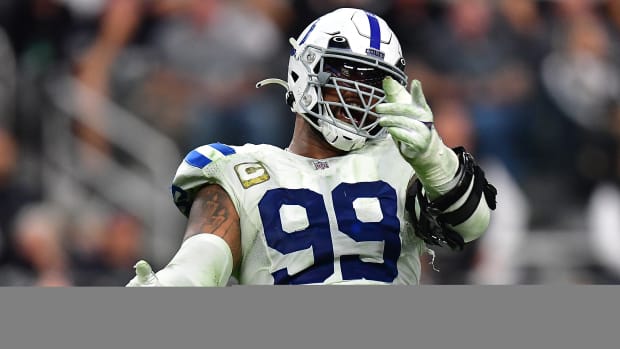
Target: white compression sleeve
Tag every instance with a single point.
(202, 260)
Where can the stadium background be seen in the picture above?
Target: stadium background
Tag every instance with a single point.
(99, 101)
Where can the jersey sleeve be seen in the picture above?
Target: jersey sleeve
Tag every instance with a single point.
(200, 167)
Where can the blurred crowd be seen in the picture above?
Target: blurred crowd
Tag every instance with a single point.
(532, 88)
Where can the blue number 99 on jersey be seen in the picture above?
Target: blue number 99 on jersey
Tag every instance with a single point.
(365, 212)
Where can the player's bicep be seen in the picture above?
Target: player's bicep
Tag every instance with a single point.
(213, 212)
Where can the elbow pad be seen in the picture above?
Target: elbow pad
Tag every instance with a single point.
(437, 221)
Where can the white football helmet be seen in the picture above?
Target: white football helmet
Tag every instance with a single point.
(346, 53)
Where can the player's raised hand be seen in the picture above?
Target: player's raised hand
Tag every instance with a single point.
(145, 277)
(409, 119)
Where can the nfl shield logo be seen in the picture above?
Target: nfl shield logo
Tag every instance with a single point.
(320, 165)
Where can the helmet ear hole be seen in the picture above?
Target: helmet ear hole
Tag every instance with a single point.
(401, 65)
(338, 42)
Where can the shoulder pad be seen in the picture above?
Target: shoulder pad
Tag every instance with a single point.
(204, 155)
(199, 167)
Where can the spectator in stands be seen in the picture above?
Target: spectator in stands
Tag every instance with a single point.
(104, 248)
(581, 79)
(14, 195)
(39, 235)
(209, 55)
(494, 258)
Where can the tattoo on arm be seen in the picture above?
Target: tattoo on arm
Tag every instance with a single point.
(213, 212)
(213, 207)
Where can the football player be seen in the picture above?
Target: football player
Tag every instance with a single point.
(364, 186)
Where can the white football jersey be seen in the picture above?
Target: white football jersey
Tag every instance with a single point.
(307, 221)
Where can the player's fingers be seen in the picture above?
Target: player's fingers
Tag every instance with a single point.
(404, 136)
(416, 92)
(144, 272)
(395, 92)
(403, 122)
(409, 141)
(417, 95)
(402, 109)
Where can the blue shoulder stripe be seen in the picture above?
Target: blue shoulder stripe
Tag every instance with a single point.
(196, 159)
(222, 148)
(199, 160)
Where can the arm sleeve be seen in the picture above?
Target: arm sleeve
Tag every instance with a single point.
(202, 260)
